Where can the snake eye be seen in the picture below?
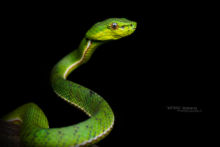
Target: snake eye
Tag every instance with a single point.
(114, 26)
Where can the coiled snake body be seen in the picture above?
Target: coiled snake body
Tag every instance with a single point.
(35, 131)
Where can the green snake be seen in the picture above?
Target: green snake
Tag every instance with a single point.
(35, 131)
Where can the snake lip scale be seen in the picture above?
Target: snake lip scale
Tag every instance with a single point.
(35, 131)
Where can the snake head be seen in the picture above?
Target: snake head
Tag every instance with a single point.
(111, 29)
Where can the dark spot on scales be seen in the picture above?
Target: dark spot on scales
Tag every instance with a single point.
(90, 134)
(46, 138)
(94, 135)
(77, 139)
(75, 131)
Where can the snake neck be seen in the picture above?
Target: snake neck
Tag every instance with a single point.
(87, 48)
(76, 58)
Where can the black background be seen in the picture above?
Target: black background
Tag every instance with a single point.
(163, 64)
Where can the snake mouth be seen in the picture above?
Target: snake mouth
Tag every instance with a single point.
(117, 37)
